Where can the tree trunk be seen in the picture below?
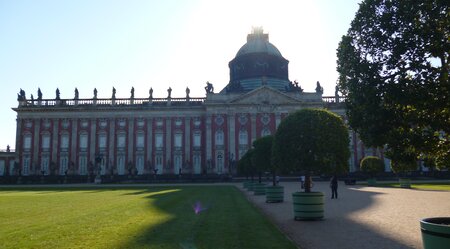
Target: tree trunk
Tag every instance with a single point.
(274, 178)
(307, 184)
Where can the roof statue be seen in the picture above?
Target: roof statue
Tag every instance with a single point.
(319, 88)
(187, 92)
(169, 92)
(76, 94)
(95, 93)
(39, 94)
(132, 93)
(57, 94)
(150, 93)
(113, 92)
(21, 95)
(209, 88)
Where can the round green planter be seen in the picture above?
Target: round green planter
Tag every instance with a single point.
(371, 182)
(435, 232)
(405, 183)
(308, 206)
(259, 189)
(274, 194)
(250, 186)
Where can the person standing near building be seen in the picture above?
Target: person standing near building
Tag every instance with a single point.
(334, 187)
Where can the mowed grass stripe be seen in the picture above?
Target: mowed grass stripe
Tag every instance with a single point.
(156, 217)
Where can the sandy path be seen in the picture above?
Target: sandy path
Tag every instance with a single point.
(362, 217)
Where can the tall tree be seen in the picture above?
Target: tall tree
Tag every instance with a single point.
(312, 141)
(262, 156)
(393, 69)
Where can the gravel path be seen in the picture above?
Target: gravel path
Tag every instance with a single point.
(362, 217)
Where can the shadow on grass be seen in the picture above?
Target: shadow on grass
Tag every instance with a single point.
(206, 217)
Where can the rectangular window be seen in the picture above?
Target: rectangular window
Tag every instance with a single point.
(27, 142)
(140, 164)
(64, 141)
(121, 141)
(2, 167)
(219, 138)
(140, 140)
(159, 141)
(102, 141)
(178, 140)
(45, 161)
(121, 164)
(197, 140)
(83, 165)
(26, 165)
(197, 169)
(83, 141)
(63, 163)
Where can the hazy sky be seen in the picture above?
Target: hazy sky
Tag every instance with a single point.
(143, 44)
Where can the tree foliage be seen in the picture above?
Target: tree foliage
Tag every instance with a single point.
(372, 165)
(393, 69)
(245, 164)
(262, 155)
(312, 140)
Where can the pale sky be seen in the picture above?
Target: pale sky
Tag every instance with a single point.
(143, 44)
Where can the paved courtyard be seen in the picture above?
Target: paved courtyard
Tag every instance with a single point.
(362, 217)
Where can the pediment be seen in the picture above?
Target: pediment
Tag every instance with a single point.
(264, 95)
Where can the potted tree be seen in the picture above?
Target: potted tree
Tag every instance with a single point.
(245, 167)
(312, 141)
(403, 160)
(261, 158)
(372, 165)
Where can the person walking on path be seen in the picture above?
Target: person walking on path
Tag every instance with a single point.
(334, 186)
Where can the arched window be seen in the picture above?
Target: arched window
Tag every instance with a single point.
(219, 137)
(243, 137)
(265, 132)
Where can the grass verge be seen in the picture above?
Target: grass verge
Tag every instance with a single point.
(139, 217)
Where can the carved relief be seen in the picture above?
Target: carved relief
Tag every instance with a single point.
(219, 120)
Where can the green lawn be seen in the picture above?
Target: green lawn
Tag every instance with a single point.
(140, 217)
(445, 186)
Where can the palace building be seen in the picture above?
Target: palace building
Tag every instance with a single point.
(171, 135)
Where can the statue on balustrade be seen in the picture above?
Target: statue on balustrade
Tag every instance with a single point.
(150, 92)
(188, 91)
(39, 94)
(21, 95)
(95, 93)
(114, 93)
(169, 92)
(132, 93)
(209, 88)
(57, 94)
(76, 94)
(319, 88)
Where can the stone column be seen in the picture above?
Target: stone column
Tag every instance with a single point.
(36, 143)
(74, 145)
(130, 140)
(19, 142)
(208, 137)
(187, 139)
(168, 141)
(55, 146)
(111, 141)
(150, 141)
(92, 145)
(253, 124)
(231, 136)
